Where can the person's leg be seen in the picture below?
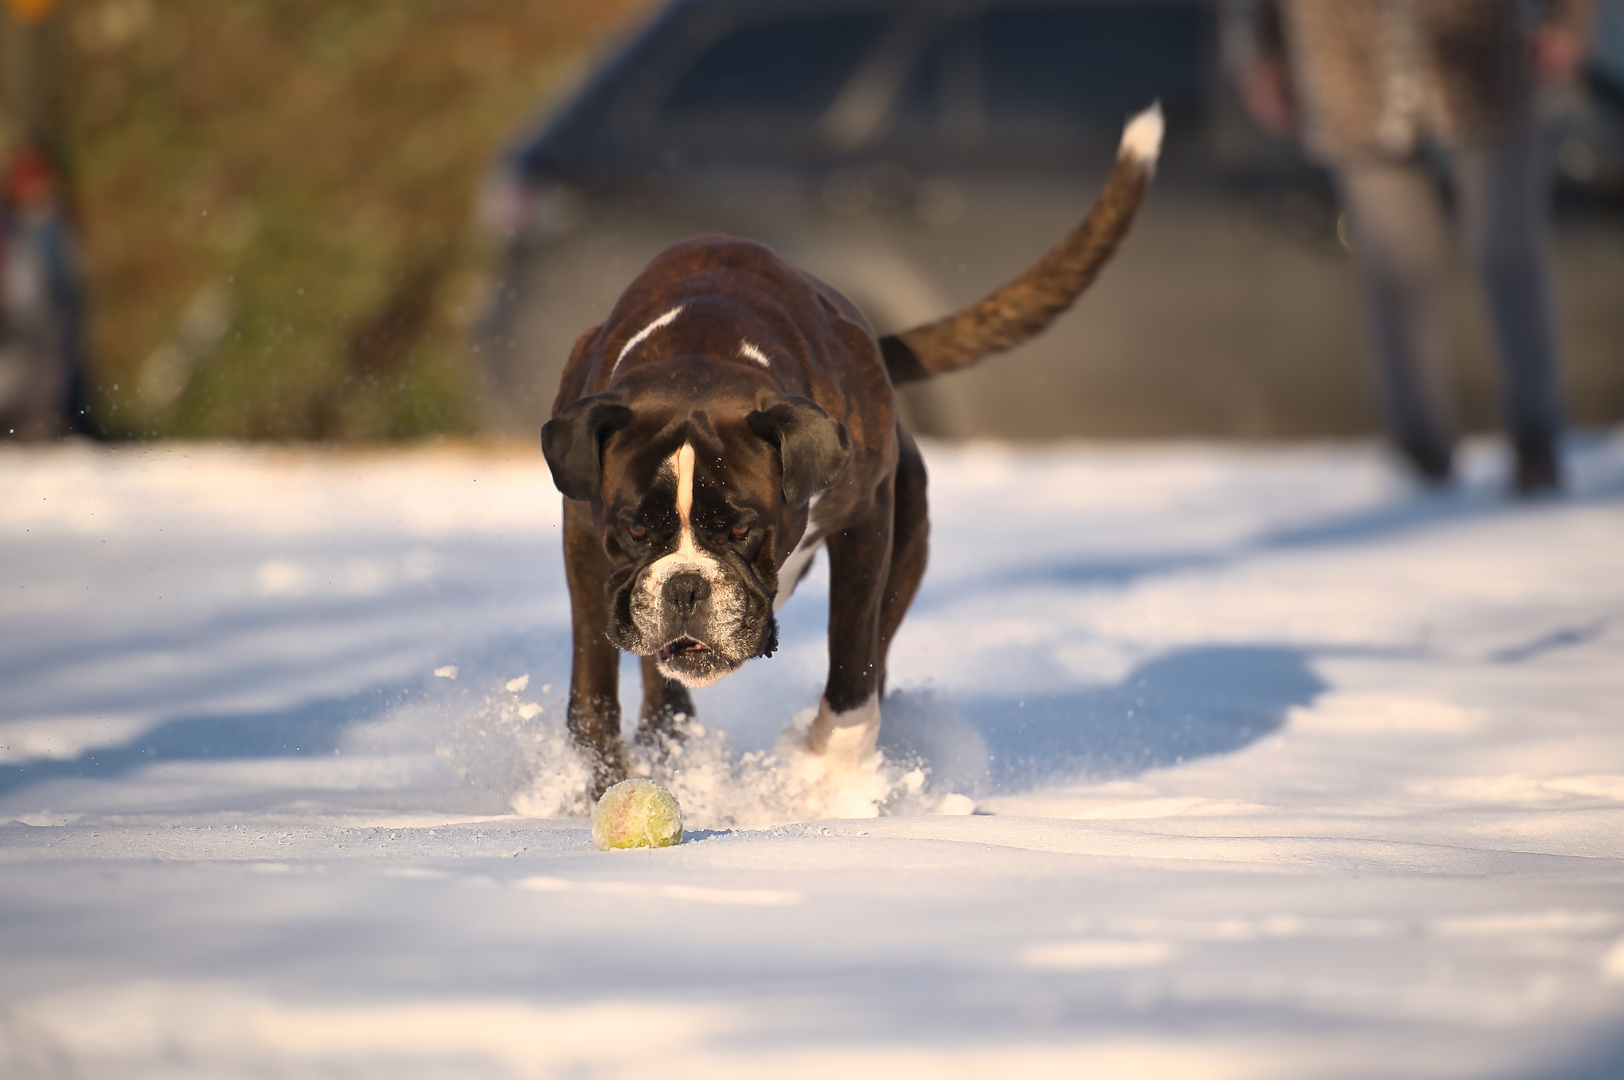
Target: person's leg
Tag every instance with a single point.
(1503, 200)
(1402, 250)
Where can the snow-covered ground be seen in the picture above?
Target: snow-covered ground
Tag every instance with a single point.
(1281, 770)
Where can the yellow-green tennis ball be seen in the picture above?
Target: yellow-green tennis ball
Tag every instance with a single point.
(636, 813)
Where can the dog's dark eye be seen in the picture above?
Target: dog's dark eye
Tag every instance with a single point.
(740, 530)
(637, 531)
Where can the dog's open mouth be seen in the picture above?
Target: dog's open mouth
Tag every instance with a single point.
(683, 647)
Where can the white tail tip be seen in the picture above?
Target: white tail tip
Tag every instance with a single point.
(1142, 140)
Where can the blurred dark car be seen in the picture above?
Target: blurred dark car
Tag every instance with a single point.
(916, 154)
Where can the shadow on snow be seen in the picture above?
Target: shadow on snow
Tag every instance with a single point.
(314, 729)
(1190, 703)
(1387, 520)
(1187, 704)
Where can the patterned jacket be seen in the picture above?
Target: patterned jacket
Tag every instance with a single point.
(1384, 77)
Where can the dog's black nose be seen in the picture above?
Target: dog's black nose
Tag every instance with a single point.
(686, 591)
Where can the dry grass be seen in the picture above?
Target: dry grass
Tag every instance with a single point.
(276, 196)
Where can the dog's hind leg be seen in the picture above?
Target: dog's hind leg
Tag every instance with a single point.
(594, 710)
(663, 701)
(910, 544)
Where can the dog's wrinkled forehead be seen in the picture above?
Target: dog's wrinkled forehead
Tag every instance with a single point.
(719, 469)
(668, 495)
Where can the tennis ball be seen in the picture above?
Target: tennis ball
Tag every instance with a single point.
(636, 813)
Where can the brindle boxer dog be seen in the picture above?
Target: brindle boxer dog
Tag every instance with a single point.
(733, 415)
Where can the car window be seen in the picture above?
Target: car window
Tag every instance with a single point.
(1049, 65)
(788, 68)
(1607, 45)
(1054, 77)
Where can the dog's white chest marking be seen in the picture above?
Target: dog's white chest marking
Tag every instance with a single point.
(789, 575)
(642, 335)
(750, 352)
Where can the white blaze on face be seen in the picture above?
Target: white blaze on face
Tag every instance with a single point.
(687, 556)
(683, 463)
(727, 600)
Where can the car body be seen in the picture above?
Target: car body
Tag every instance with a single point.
(916, 155)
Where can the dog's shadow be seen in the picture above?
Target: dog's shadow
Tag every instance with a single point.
(1189, 703)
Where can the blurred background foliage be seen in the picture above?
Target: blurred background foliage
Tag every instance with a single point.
(274, 199)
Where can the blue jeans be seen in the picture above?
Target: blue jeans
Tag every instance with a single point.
(1502, 208)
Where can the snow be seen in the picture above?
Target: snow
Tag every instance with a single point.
(1279, 768)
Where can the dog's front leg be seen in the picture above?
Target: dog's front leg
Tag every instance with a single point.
(664, 701)
(594, 712)
(848, 720)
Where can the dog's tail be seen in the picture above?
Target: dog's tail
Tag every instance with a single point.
(1026, 306)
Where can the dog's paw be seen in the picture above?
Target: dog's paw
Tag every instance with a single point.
(845, 740)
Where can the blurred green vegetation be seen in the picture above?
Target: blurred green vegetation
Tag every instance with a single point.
(275, 202)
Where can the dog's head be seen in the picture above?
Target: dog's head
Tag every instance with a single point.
(696, 507)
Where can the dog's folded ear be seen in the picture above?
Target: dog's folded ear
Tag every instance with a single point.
(573, 442)
(812, 446)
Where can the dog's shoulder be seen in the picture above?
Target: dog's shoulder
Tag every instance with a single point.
(719, 312)
(577, 370)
